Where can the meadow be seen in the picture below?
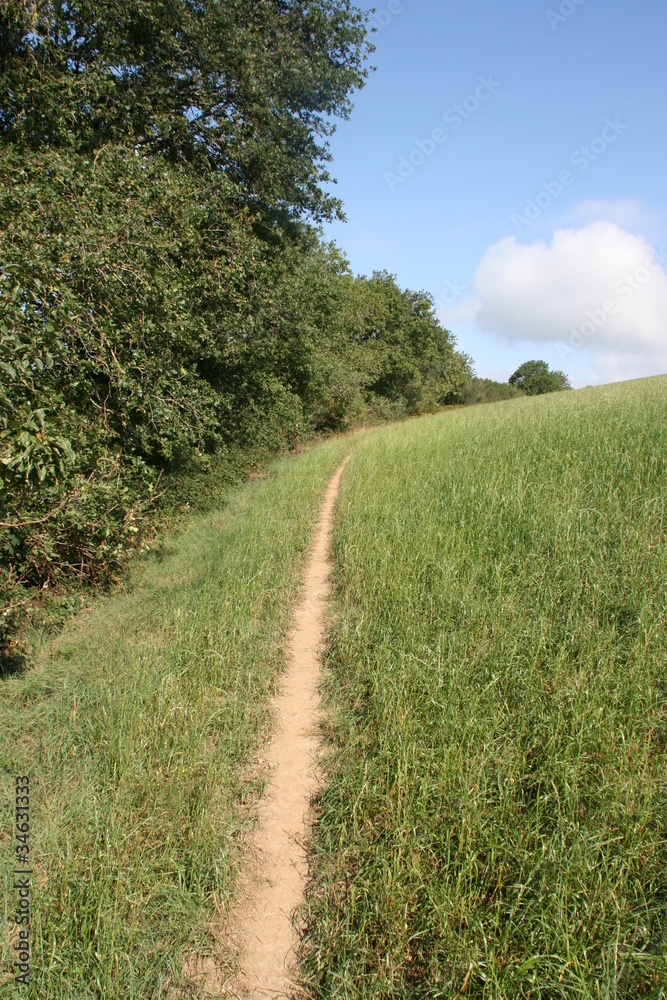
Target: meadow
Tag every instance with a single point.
(138, 727)
(493, 820)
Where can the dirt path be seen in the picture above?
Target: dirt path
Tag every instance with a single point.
(264, 931)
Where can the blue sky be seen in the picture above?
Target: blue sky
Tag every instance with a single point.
(511, 159)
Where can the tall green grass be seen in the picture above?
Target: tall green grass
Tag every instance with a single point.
(494, 818)
(137, 728)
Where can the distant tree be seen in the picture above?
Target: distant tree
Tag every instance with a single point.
(534, 378)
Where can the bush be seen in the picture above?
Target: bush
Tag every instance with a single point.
(485, 390)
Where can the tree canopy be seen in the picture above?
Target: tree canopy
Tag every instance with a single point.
(164, 296)
(535, 378)
(247, 86)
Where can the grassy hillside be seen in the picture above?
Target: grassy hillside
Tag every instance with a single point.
(136, 728)
(494, 821)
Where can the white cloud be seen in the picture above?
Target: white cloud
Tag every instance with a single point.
(610, 366)
(599, 288)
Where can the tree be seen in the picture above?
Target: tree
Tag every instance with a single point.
(407, 358)
(534, 378)
(164, 294)
(485, 390)
(249, 87)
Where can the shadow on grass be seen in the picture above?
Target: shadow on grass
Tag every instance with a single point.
(158, 553)
(11, 663)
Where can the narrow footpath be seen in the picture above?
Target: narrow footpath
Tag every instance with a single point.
(264, 929)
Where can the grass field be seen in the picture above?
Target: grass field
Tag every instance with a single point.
(137, 727)
(494, 818)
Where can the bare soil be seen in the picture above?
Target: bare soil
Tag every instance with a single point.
(262, 924)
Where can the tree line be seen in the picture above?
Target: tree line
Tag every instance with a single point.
(532, 378)
(166, 297)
